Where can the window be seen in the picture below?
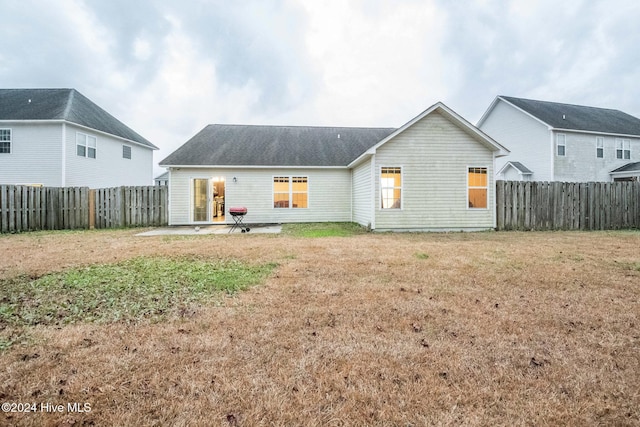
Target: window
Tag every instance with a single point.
(5, 141)
(561, 144)
(623, 149)
(478, 185)
(600, 147)
(86, 145)
(126, 152)
(391, 188)
(290, 192)
(299, 192)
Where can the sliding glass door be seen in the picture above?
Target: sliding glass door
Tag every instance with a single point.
(200, 199)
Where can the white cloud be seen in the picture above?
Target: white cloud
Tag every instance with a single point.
(167, 69)
(379, 67)
(186, 94)
(141, 49)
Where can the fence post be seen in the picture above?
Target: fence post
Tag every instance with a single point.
(92, 209)
(4, 207)
(502, 205)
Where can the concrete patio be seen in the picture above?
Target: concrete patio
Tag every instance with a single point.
(211, 229)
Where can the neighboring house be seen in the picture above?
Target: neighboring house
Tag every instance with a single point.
(58, 137)
(562, 142)
(162, 179)
(434, 173)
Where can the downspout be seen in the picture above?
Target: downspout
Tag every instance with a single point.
(63, 169)
(169, 198)
(373, 192)
(495, 193)
(351, 195)
(552, 172)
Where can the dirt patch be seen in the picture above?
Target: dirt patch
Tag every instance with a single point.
(399, 329)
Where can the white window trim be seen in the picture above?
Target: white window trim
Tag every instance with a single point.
(381, 188)
(599, 146)
(291, 192)
(564, 144)
(10, 140)
(86, 145)
(623, 146)
(466, 176)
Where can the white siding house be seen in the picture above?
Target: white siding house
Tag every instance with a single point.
(563, 142)
(59, 138)
(328, 195)
(432, 159)
(433, 173)
(31, 144)
(528, 139)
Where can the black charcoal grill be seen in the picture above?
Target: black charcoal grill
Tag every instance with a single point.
(238, 213)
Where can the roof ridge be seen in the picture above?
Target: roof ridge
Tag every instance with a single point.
(560, 103)
(303, 126)
(67, 109)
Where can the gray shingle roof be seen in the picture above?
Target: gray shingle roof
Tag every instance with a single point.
(162, 176)
(577, 117)
(522, 168)
(245, 145)
(63, 104)
(629, 167)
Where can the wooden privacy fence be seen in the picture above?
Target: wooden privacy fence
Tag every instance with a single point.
(523, 205)
(520, 206)
(131, 206)
(24, 208)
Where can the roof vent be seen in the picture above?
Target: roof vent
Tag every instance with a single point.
(563, 117)
(338, 136)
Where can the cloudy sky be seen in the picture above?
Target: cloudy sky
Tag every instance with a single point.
(167, 68)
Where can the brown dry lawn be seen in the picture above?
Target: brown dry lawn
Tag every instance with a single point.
(372, 329)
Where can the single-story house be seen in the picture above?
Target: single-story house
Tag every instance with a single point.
(436, 172)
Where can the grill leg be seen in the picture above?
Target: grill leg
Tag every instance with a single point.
(238, 223)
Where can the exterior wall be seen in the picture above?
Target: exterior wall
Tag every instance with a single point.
(329, 194)
(580, 164)
(362, 203)
(109, 168)
(528, 140)
(434, 155)
(36, 154)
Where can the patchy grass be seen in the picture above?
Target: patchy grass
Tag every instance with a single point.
(323, 229)
(490, 329)
(140, 288)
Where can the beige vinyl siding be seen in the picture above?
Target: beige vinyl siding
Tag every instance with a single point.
(180, 193)
(36, 154)
(362, 203)
(329, 194)
(527, 139)
(434, 155)
(109, 168)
